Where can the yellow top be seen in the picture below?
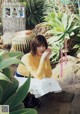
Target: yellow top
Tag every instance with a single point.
(35, 66)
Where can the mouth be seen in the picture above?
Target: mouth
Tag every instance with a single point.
(42, 52)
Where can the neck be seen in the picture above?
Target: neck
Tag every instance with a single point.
(37, 56)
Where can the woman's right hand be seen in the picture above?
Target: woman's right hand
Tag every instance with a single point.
(46, 54)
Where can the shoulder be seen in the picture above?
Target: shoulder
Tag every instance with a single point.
(27, 56)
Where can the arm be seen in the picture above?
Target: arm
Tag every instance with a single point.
(48, 70)
(36, 72)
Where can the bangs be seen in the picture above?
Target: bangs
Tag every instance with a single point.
(38, 44)
(38, 41)
(41, 42)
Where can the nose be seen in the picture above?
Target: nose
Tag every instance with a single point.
(42, 48)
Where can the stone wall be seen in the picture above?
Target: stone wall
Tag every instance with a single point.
(13, 24)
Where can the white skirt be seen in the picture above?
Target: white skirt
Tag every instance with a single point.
(41, 87)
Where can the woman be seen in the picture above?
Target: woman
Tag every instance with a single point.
(38, 65)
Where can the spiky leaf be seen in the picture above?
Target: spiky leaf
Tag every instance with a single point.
(4, 77)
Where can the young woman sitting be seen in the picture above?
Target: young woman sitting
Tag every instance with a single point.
(37, 64)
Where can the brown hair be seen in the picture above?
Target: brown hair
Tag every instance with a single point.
(36, 42)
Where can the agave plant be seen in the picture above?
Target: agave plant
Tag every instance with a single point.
(62, 27)
(77, 39)
(55, 46)
(35, 11)
(10, 92)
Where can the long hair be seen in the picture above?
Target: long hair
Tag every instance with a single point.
(36, 42)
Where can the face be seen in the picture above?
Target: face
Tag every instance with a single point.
(40, 50)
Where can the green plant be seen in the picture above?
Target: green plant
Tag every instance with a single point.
(7, 59)
(51, 5)
(77, 46)
(77, 39)
(10, 92)
(62, 27)
(35, 11)
(55, 46)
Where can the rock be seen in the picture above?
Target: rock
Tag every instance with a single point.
(42, 29)
(76, 102)
(71, 71)
(59, 96)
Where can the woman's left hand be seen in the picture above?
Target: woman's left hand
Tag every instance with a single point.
(46, 53)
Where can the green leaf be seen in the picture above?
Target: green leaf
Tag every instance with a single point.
(76, 46)
(78, 51)
(7, 72)
(4, 77)
(10, 100)
(6, 55)
(71, 18)
(4, 84)
(25, 111)
(53, 39)
(19, 96)
(58, 21)
(64, 20)
(10, 90)
(15, 54)
(72, 33)
(19, 106)
(1, 93)
(8, 62)
(67, 36)
(35, 12)
(2, 52)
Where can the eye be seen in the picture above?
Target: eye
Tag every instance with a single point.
(44, 46)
